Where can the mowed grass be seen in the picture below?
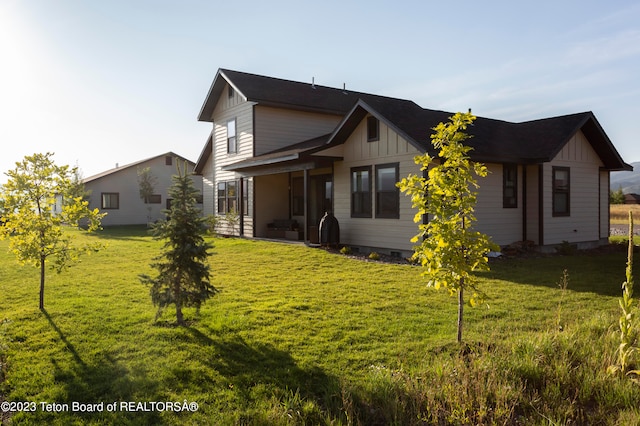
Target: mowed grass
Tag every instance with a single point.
(302, 336)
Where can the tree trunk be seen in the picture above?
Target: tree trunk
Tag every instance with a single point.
(42, 271)
(177, 297)
(460, 309)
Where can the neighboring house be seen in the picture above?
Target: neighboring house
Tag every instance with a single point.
(283, 151)
(632, 198)
(117, 191)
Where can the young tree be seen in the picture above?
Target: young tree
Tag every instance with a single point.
(617, 196)
(34, 229)
(183, 271)
(449, 249)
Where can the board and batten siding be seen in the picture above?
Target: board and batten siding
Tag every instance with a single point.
(503, 225)
(277, 128)
(584, 223)
(378, 233)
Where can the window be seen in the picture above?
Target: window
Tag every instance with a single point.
(387, 193)
(168, 160)
(373, 129)
(228, 197)
(232, 146)
(297, 196)
(110, 200)
(361, 192)
(509, 186)
(561, 191)
(230, 92)
(154, 199)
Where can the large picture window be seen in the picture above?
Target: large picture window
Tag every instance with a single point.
(561, 191)
(361, 192)
(387, 193)
(509, 186)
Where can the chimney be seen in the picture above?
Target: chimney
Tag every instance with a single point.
(313, 82)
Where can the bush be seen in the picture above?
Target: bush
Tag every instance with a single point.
(345, 250)
(374, 256)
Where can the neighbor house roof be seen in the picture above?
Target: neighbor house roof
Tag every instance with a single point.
(126, 166)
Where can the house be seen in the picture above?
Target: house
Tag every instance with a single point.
(117, 191)
(632, 198)
(285, 152)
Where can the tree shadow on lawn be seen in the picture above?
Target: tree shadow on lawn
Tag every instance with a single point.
(100, 380)
(247, 366)
(589, 272)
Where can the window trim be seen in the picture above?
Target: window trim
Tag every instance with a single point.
(232, 141)
(509, 202)
(555, 191)
(154, 199)
(110, 194)
(236, 198)
(373, 129)
(367, 207)
(396, 213)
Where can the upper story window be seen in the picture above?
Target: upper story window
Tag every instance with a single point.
(509, 186)
(561, 191)
(230, 92)
(168, 160)
(361, 191)
(373, 129)
(232, 144)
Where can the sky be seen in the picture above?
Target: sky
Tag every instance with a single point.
(101, 83)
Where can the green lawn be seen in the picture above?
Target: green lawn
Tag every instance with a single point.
(303, 336)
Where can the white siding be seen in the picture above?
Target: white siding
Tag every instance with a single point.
(394, 234)
(272, 199)
(208, 186)
(277, 127)
(604, 205)
(532, 204)
(583, 224)
(132, 209)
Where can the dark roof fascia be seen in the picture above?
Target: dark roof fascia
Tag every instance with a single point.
(217, 86)
(258, 162)
(353, 118)
(207, 151)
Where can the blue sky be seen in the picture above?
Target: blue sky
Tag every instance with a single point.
(106, 82)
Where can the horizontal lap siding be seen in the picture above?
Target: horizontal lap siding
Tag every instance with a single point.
(392, 234)
(604, 204)
(583, 224)
(503, 225)
(278, 127)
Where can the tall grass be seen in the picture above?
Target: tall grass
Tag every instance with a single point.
(619, 213)
(303, 336)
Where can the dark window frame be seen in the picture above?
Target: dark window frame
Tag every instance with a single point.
(509, 184)
(558, 190)
(168, 160)
(373, 129)
(297, 196)
(361, 197)
(154, 199)
(110, 194)
(384, 196)
(227, 202)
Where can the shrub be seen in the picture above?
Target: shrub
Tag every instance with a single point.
(374, 256)
(345, 250)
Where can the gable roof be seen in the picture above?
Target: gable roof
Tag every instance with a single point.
(126, 166)
(272, 91)
(492, 140)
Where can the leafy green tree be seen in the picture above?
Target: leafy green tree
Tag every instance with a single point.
(617, 196)
(183, 271)
(146, 183)
(449, 249)
(31, 223)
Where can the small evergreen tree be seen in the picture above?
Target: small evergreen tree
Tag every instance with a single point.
(449, 249)
(183, 271)
(617, 196)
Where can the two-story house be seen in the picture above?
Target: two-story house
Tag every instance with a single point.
(284, 150)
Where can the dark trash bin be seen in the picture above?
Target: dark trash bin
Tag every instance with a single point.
(329, 230)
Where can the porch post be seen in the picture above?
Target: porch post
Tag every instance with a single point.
(241, 206)
(305, 184)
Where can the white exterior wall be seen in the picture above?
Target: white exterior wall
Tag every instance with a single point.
(394, 234)
(278, 127)
(584, 222)
(132, 209)
(208, 186)
(605, 219)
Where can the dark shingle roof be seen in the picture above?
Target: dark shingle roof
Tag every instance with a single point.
(493, 140)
